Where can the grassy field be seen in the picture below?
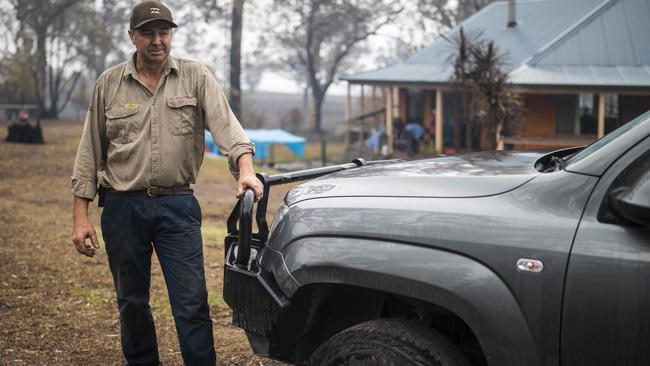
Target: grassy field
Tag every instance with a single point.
(58, 307)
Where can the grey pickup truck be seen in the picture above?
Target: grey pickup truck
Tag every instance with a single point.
(494, 258)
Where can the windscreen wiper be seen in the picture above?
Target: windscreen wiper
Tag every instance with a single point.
(557, 164)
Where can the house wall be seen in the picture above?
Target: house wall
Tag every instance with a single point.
(538, 118)
(540, 114)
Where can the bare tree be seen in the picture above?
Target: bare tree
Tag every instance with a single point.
(319, 36)
(480, 77)
(47, 37)
(104, 27)
(398, 52)
(448, 13)
(291, 65)
(16, 80)
(255, 66)
(61, 81)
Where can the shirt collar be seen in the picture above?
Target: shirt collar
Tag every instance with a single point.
(171, 65)
(133, 72)
(130, 67)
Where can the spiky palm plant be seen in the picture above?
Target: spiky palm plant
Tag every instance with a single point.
(478, 74)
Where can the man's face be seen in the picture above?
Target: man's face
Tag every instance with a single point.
(152, 41)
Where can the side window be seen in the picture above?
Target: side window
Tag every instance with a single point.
(632, 181)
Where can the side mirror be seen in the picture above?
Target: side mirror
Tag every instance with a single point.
(632, 204)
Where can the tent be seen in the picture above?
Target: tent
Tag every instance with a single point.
(263, 139)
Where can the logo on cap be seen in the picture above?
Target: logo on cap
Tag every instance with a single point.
(155, 10)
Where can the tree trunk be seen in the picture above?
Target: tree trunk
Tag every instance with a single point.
(317, 108)
(469, 135)
(318, 97)
(489, 128)
(53, 84)
(235, 56)
(41, 71)
(305, 104)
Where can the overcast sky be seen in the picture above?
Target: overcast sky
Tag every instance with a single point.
(208, 42)
(213, 45)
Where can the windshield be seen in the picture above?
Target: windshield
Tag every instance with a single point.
(597, 145)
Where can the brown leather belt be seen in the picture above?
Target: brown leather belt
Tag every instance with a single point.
(156, 191)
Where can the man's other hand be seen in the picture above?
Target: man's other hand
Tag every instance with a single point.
(82, 229)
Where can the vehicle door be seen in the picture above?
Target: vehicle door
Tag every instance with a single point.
(606, 310)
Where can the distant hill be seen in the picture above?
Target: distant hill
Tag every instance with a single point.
(274, 105)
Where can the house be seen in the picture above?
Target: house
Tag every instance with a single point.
(583, 67)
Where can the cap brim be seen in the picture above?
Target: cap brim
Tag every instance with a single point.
(172, 24)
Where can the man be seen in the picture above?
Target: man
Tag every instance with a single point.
(414, 132)
(142, 143)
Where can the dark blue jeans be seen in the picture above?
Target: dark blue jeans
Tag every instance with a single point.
(132, 227)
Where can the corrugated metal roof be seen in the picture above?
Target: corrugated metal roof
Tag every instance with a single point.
(556, 42)
(587, 76)
(411, 73)
(616, 35)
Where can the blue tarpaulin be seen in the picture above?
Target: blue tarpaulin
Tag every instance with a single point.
(263, 139)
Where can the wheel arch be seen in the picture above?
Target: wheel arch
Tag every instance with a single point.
(460, 285)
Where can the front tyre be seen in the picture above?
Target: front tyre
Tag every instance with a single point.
(388, 342)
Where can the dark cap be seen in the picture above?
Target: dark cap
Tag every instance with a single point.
(148, 11)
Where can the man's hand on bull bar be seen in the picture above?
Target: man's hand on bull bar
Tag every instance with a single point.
(250, 181)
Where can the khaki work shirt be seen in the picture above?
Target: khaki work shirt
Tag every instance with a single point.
(154, 140)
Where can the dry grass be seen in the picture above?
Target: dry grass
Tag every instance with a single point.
(58, 307)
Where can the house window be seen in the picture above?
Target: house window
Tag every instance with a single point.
(566, 121)
(588, 114)
(578, 114)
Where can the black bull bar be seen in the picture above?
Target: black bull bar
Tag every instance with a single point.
(249, 291)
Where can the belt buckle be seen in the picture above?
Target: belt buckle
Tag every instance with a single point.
(151, 191)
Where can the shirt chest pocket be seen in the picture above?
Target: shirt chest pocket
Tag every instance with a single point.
(122, 124)
(182, 115)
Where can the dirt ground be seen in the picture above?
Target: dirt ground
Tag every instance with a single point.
(58, 307)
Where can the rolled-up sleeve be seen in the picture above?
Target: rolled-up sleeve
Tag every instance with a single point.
(89, 153)
(226, 130)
